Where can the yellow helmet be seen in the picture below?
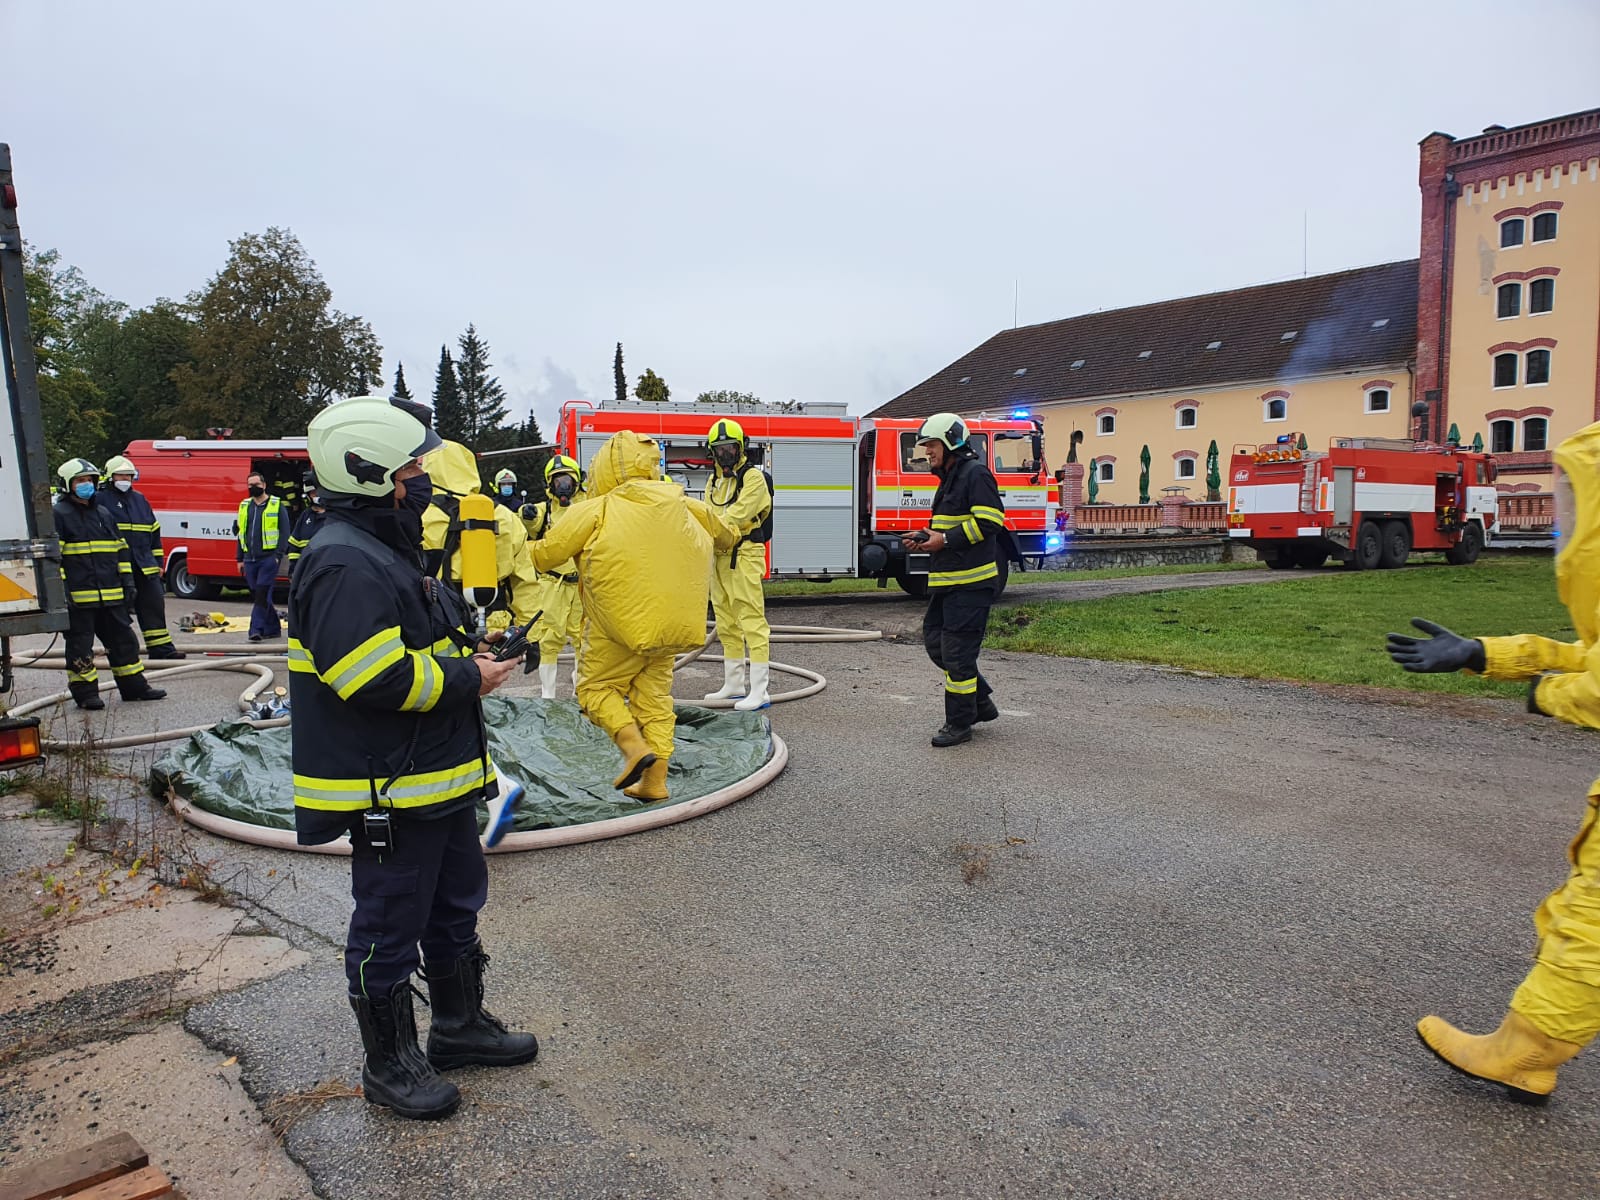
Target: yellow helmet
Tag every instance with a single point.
(726, 430)
(74, 467)
(947, 429)
(118, 465)
(505, 476)
(559, 464)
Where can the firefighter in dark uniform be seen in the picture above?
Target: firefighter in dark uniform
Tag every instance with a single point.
(965, 540)
(389, 747)
(99, 576)
(140, 529)
(306, 524)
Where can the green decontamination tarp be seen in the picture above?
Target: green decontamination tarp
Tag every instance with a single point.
(566, 764)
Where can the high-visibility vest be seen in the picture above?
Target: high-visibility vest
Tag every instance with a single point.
(269, 523)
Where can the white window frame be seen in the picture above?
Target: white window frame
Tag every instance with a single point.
(1194, 467)
(1500, 231)
(1510, 283)
(1388, 403)
(1177, 417)
(1266, 410)
(1554, 216)
(1503, 421)
(1543, 312)
(1100, 422)
(1522, 433)
(1106, 470)
(1494, 366)
(1549, 369)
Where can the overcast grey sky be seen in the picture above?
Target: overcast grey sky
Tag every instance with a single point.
(827, 201)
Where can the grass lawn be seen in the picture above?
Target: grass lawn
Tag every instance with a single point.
(1325, 628)
(845, 587)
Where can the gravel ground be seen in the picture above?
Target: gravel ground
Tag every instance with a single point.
(1152, 934)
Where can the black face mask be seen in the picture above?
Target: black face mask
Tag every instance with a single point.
(419, 494)
(564, 487)
(257, 490)
(727, 456)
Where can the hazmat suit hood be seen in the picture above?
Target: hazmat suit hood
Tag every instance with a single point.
(454, 468)
(626, 455)
(1578, 559)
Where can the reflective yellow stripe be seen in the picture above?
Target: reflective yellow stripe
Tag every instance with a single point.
(409, 791)
(300, 657)
(984, 513)
(961, 687)
(956, 578)
(948, 520)
(359, 667)
(91, 676)
(125, 567)
(131, 669)
(970, 528)
(447, 648)
(151, 570)
(91, 547)
(156, 637)
(427, 684)
(97, 596)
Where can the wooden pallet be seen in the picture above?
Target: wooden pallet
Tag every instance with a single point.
(114, 1168)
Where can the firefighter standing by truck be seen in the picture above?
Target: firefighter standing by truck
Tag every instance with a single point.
(260, 531)
(505, 489)
(559, 599)
(742, 497)
(140, 529)
(1556, 1010)
(99, 575)
(389, 747)
(968, 528)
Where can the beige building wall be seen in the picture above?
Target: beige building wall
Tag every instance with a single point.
(1346, 405)
(1570, 261)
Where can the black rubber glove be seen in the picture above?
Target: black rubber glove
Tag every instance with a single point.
(1440, 651)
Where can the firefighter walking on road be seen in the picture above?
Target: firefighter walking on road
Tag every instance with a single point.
(260, 531)
(1556, 1011)
(968, 531)
(559, 596)
(389, 746)
(742, 497)
(137, 522)
(99, 574)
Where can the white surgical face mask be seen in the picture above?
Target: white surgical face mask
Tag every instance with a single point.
(1566, 510)
(122, 485)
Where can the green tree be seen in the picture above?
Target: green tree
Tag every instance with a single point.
(621, 379)
(651, 388)
(483, 400)
(401, 391)
(1144, 475)
(1094, 483)
(448, 417)
(270, 350)
(727, 398)
(1213, 473)
(528, 466)
(72, 406)
(132, 361)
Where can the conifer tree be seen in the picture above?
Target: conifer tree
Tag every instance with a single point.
(622, 379)
(448, 417)
(401, 391)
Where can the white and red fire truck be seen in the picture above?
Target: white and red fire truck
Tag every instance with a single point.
(844, 488)
(195, 487)
(1366, 501)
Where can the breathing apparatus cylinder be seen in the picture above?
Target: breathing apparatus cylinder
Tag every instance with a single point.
(480, 579)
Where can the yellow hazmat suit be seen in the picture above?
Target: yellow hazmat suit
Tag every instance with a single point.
(559, 595)
(644, 560)
(1556, 1010)
(454, 469)
(743, 500)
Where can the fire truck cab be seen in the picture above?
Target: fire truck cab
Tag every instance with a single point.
(195, 487)
(844, 488)
(1366, 501)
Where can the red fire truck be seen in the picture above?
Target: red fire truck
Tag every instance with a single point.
(195, 487)
(1369, 502)
(844, 488)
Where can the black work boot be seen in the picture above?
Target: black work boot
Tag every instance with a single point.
(145, 693)
(988, 710)
(462, 1033)
(90, 701)
(952, 735)
(396, 1074)
(165, 652)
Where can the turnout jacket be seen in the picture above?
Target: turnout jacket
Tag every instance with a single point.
(306, 524)
(136, 521)
(968, 510)
(95, 561)
(382, 688)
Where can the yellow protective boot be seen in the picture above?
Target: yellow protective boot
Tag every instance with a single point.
(652, 785)
(636, 755)
(1519, 1056)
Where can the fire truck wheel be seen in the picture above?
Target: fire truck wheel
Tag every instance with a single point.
(1368, 550)
(1310, 557)
(912, 585)
(1468, 548)
(1396, 544)
(1281, 560)
(185, 586)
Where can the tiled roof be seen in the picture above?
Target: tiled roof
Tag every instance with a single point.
(1271, 333)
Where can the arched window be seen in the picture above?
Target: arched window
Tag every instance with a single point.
(1377, 400)
(1183, 468)
(1511, 233)
(1188, 416)
(1107, 424)
(1501, 436)
(1541, 295)
(1108, 471)
(1538, 367)
(1508, 300)
(1544, 227)
(1275, 409)
(1536, 434)
(1505, 370)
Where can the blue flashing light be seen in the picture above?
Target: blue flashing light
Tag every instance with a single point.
(1052, 541)
(1283, 439)
(1018, 414)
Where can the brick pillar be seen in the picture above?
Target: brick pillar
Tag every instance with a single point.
(1072, 492)
(1439, 193)
(1172, 510)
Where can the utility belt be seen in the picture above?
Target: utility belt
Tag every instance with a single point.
(572, 578)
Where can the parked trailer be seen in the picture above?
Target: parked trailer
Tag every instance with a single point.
(844, 488)
(1367, 502)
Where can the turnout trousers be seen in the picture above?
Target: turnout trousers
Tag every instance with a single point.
(260, 574)
(150, 604)
(109, 623)
(952, 633)
(1561, 994)
(425, 891)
